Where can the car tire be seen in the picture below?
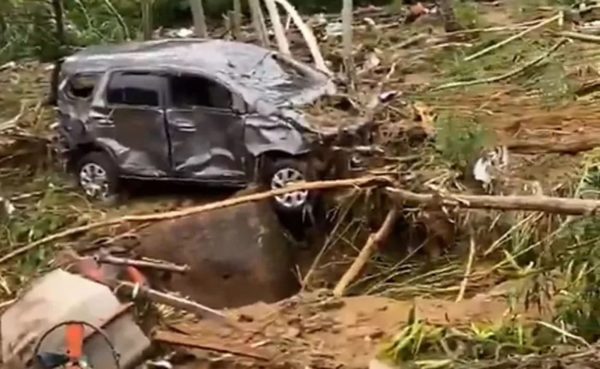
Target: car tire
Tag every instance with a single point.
(97, 175)
(283, 172)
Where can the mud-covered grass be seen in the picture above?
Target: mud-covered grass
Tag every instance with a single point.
(554, 257)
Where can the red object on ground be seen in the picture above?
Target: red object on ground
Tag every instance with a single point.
(89, 268)
(135, 275)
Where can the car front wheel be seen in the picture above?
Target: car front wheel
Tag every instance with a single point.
(97, 176)
(283, 173)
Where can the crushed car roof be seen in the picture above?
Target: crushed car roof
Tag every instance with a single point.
(258, 71)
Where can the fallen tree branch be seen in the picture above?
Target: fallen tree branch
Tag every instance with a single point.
(373, 243)
(465, 281)
(571, 146)
(143, 264)
(12, 123)
(308, 35)
(512, 38)
(310, 186)
(546, 204)
(179, 339)
(580, 36)
(504, 76)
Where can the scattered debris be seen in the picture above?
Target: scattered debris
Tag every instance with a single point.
(490, 165)
(60, 297)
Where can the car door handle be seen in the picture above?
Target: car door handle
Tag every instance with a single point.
(184, 126)
(103, 121)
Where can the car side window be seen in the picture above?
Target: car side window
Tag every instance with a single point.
(188, 91)
(81, 86)
(132, 88)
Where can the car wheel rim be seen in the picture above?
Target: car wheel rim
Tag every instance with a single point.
(284, 177)
(94, 181)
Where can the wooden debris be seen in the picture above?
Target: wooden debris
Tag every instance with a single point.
(504, 76)
(463, 283)
(178, 339)
(580, 36)
(372, 245)
(547, 204)
(308, 35)
(512, 38)
(570, 146)
(109, 259)
(310, 186)
(282, 41)
(181, 303)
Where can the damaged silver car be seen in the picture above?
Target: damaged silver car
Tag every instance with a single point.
(208, 111)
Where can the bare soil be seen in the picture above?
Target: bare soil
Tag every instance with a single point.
(315, 331)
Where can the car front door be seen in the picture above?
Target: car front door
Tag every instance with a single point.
(206, 133)
(129, 119)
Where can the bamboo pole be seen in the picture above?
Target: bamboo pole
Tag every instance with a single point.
(372, 245)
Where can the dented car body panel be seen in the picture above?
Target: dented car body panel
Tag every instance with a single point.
(200, 110)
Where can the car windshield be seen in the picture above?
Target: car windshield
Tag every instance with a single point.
(277, 80)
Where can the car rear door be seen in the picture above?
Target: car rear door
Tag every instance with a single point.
(206, 133)
(129, 119)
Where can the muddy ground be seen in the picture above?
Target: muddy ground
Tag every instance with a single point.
(546, 118)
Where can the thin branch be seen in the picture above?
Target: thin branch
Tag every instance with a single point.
(373, 244)
(512, 38)
(504, 76)
(310, 186)
(465, 281)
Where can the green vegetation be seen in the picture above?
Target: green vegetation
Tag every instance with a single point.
(460, 140)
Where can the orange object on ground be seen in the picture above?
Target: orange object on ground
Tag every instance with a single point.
(74, 339)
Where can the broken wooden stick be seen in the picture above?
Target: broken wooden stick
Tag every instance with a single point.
(308, 35)
(465, 281)
(309, 186)
(569, 146)
(512, 38)
(143, 264)
(580, 36)
(504, 76)
(547, 204)
(179, 339)
(181, 303)
(282, 41)
(373, 243)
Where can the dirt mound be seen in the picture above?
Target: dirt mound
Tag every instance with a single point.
(309, 331)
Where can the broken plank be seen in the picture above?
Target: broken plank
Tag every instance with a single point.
(199, 343)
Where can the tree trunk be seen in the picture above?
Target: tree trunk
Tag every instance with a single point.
(199, 18)
(237, 19)
(546, 204)
(347, 41)
(258, 21)
(282, 42)
(147, 19)
(57, 6)
(308, 35)
(448, 16)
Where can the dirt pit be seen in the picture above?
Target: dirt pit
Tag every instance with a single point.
(237, 256)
